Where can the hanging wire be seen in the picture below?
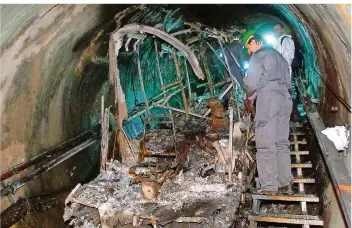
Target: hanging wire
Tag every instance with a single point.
(343, 102)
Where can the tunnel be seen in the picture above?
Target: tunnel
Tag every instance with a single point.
(55, 77)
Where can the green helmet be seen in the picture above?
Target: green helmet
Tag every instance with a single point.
(247, 35)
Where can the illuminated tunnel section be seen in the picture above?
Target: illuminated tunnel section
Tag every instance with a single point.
(173, 21)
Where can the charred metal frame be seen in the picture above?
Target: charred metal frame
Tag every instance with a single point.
(115, 43)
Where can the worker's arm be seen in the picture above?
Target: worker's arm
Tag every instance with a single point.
(255, 69)
(288, 47)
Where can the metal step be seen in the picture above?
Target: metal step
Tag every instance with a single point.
(299, 152)
(288, 219)
(297, 133)
(281, 197)
(299, 142)
(307, 165)
(296, 125)
(304, 180)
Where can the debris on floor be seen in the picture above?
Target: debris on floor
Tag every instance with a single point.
(186, 184)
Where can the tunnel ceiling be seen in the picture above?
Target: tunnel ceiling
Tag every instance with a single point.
(54, 67)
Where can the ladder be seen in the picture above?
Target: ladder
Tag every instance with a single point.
(304, 219)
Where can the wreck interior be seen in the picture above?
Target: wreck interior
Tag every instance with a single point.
(119, 115)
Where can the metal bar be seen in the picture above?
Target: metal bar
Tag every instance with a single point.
(170, 85)
(14, 186)
(181, 32)
(178, 110)
(142, 82)
(192, 40)
(215, 84)
(304, 180)
(297, 133)
(104, 139)
(205, 64)
(185, 103)
(45, 155)
(164, 93)
(188, 82)
(299, 142)
(302, 165)
(230, 144)
(300, 152)
(294, 198)
(287, 220)
(152, 106)
(304, 207)
(186, 51)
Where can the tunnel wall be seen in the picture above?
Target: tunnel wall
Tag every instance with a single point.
(331, 33)
(42, 68)
(53, 67)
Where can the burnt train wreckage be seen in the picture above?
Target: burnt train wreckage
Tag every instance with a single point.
(192, 165)
(163, 177)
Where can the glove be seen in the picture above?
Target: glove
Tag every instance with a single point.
(253, 96)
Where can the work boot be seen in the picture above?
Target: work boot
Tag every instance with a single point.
(286, 189)
(262, 191)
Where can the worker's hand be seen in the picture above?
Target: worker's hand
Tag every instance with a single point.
(253, 96)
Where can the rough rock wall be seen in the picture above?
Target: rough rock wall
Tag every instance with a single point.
(39, 64)
(331, 34)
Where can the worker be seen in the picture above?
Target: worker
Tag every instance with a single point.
(284, 44)
(268, 76)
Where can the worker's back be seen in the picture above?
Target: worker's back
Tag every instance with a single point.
(268, 69)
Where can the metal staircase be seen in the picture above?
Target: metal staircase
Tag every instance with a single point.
(303, 219)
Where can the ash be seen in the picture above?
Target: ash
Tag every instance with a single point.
(199, 189)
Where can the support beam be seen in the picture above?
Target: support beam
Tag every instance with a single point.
(14, 186)
(188, 82)
(140, 76)
(205, 64)
(178, 110)
(185, 102)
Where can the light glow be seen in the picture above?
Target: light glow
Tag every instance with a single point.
(270, 39)
(246, 65)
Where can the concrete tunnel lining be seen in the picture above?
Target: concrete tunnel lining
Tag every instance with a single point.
(41, 73)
